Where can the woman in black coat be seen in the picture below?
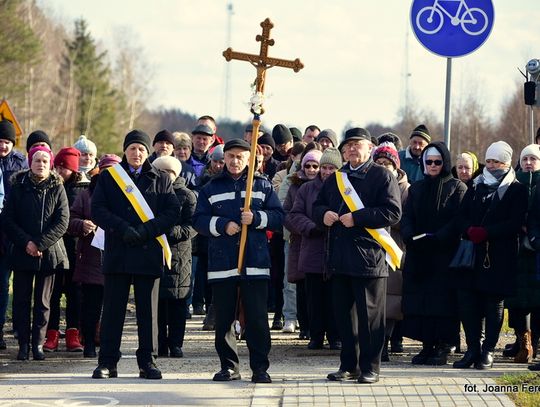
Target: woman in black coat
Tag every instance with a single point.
(175, 284)
(428, 229)
(35, 217)
(492, 216)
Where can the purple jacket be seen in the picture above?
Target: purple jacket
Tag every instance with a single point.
(88, 262)
(312, 247)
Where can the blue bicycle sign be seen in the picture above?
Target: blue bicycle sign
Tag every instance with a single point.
(452, 28)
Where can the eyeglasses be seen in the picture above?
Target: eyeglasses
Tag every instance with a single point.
(308, 166)
(434, 162)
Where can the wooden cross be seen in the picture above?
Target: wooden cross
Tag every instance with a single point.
(262, 62)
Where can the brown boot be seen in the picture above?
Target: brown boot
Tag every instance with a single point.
(525, 352)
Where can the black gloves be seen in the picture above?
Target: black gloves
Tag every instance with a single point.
(132, 237)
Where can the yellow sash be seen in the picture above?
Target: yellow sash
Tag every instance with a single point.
(140, 205)
(354, 203)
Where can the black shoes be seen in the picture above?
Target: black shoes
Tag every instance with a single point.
(342, 375)
(198, 309)
(176, 352)
(423, 356)
(439, 357)
(535, 367)
(3, 345)
(261, 376)
(149, 371)
(226, 375)
(89, 350)
(396, 346)
(485, 361)
(304, 334)
(468, 359)
(104, 371)
(163, 351)
(314, 344)
(335, 345)
(23, 352)
(37, 352)
(277, 323)
(368, 378)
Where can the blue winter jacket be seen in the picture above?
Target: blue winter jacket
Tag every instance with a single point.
(220, 201)
(9, 165)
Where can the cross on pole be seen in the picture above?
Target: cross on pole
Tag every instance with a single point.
(262, 62)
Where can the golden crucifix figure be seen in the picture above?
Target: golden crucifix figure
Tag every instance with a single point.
(261, 62)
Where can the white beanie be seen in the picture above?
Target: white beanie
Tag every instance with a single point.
(531, 149)
(85, 146)
(168, 162)
(500, 151)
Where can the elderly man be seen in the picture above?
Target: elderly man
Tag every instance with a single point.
(135, 205)
(163, 145)
(219, 216)
(410, 157)
(362, 197)
(202, 138)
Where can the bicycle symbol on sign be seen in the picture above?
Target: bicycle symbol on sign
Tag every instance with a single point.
(473, 20)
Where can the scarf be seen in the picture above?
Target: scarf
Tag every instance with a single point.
(496, 184)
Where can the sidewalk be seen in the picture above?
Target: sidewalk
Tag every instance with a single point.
(298, 379)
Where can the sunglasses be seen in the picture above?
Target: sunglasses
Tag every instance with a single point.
(434, 162)
(308, 166)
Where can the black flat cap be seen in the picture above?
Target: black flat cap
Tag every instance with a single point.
(356, 133)
(203, 129)
(237, 143)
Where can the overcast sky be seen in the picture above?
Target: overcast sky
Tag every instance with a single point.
(354, 54)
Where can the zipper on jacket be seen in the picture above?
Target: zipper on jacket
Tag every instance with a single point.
(41, 224)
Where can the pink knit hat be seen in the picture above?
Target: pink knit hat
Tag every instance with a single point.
(34, 150)
(312, 155)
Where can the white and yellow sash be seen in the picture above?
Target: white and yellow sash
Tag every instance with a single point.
(140, 205)
(354, 203)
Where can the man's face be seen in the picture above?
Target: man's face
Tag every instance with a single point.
(417, 145)
(63, 172)
(5, 147)
(87, 160)
(236, 160)
(136, 155)
(201, 143)
(284, 148)
(358, 151)
(267, 151)
(310, 135)
(208, 123)
(325, 142)
(182, 153)
(163, 148)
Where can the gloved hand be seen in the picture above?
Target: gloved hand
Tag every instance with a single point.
(477, 234)
(132, 237)
(143, 232)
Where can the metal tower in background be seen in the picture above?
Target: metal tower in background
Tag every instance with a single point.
(406, 76)
(226, 96)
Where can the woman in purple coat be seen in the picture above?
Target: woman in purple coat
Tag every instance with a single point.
(312, 261)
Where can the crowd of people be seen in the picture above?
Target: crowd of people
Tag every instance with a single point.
(352, 243)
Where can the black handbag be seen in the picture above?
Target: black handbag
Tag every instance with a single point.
(464, 257)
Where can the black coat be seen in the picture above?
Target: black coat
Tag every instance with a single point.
(353, 251)
(497, 258)
(176, 282)
(37, 213)
(73, 188)
(112, 211)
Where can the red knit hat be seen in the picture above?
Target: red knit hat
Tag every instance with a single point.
(34, 150)
(68, 157)
(386, 151)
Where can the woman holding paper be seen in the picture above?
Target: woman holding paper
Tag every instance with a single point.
(428, 228)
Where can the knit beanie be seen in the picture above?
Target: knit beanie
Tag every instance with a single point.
(44, 149)
(7, 131)
(164, 135)
(331, 156)
(421, 131)
(313, 155)
(267, 140)
(330, 135)
(281, 134)
(182, 140)
(38, 136)
(137, 136)
(473, 158)
(392, 138)
(168, 163)
(500, 151)
(389, 152)
(531, 149)
(296, 133)
(216, 153)
(108, 160)
(84, 145)
(68, 157)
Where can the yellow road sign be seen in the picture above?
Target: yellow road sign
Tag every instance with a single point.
(7, 114)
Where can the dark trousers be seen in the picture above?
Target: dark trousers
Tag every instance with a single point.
(91, 305)
(320, 308)
(301, 305)
(63, 284)
(171, 322)
(254, 297)
(369, 294)
(42, 283)
(277, 255)
(202, 291)
(115, 298)
(474, 306)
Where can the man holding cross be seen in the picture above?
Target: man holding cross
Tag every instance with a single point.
(219, 216)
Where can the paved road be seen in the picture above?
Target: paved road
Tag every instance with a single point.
(298, 380)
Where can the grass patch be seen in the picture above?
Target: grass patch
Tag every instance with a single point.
(522, 398)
